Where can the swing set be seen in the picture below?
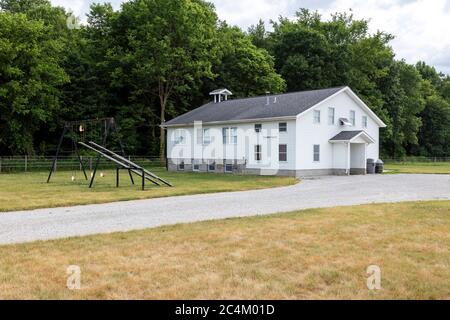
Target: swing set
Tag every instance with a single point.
(94, 134)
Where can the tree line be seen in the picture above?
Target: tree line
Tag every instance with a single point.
(155, 59)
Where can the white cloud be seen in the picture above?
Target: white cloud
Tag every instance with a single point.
(420, 26)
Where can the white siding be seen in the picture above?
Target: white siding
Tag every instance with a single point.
(301, 136)
(310, 133)
(269, 138)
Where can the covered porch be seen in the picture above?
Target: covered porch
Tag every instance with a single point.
(350, 152)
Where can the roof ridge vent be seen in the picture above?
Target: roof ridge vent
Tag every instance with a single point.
(220, 95)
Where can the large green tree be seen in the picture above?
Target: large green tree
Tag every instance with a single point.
(30, 80)
(404, 106)
(242, 67)
(164, 49)
(434, 134)
(156, 59)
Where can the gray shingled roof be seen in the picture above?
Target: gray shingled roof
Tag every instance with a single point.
(346, 135)
(288, 104)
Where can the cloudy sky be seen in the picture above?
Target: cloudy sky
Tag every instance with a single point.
(421, 27)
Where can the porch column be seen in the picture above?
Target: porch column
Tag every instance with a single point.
(365, 157)
(348, 158)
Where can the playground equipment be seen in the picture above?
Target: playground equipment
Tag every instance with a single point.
(81, 133)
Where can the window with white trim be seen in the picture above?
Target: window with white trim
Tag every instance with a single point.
(233, 135)
(316, 116)
(229, 135)
(316, 150)
(206, 136)
(258, 127)
(282, 152)
(331, 112)
(258, 152)
(179, 136)
(181, 166)
(282, 127)
(229, 167)
(364, 121)
(212, 166)
(352, 117)
(225, 135)
(196, 166)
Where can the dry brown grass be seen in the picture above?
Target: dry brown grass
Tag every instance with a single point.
(308, 254)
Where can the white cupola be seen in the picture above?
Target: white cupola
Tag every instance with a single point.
(220, 95)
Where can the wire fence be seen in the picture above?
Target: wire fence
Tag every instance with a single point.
(412, 159)
(68, 163)
(71, 163)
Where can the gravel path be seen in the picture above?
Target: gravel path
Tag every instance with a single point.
(44, 224)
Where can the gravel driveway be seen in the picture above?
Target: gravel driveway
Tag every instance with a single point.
(43, 224)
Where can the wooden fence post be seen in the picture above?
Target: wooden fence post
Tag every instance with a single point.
(26, 163)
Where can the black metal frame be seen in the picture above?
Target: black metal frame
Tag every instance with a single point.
(110, 125)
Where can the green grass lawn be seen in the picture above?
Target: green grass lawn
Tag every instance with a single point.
(30, 190)
(310, 254)
(418, 167)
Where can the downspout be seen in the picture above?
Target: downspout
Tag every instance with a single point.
(348, 159)
(165, 150)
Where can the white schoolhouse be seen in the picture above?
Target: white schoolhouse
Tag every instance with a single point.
(318, 132)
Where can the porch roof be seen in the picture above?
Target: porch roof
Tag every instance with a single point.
(352, 136)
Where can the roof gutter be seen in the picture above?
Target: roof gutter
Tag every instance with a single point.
(231, 121)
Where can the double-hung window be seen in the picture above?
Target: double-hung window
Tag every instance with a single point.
(229, 167)
(179, 136)
(225, 135)
(364, 121)
(352, 117)
(206, 136)
(229, 135)
(282, 152)
(316, 116)
(258, 152)
(282, 127)
(233, 135)
(331, 112)
(316, 151)
(258, 127)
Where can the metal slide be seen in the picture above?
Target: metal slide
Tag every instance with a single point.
(130, 163)
(134, 169)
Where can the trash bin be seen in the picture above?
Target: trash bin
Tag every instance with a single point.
(379, 166)
(370, 166)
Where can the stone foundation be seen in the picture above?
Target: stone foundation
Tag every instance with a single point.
(239, 167)
(205, 166)
(358, 171)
